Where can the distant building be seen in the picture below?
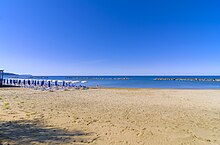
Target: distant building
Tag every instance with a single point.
(1, 78)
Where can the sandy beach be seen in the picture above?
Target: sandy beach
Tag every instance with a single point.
(110, 116)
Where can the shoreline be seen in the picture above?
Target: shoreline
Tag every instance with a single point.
(159, 88)
(121, 88)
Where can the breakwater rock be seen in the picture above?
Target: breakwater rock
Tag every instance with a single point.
(189, 79)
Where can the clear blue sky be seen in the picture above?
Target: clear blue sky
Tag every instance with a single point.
(110, 37)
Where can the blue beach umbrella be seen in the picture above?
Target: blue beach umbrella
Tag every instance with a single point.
(32, 82)
(29, 82)
(42, 82)
(83, 82)
(75, 82)
(38, 82)
(48, 83)
(54, 82)
(59, 82)
(68, 83)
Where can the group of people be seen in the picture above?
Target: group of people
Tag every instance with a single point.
(45, 84)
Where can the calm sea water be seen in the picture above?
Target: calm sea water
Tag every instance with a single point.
(139, 81)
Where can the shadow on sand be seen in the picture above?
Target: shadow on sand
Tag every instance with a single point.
(30, 132)
(9, 86)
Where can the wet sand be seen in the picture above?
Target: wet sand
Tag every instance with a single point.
(110, 116)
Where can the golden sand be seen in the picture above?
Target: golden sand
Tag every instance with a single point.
(110, 116)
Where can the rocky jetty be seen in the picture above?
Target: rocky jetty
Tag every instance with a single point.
(189, 79)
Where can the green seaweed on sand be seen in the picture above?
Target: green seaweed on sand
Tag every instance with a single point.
(28, 114)
(6, 105)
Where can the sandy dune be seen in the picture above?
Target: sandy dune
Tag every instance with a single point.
(110, 116)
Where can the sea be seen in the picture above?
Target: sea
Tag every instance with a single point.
(139, 81)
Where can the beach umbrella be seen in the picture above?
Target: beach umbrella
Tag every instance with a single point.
(68, 82)
(32, 81)
(49, 84)
(52, 82)
(12, 81)
(29, 82)
(38, 82)
(26, 81)
(84, 82)
(59, 82)
(42, 82)
(56, 83)
(75, 82)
